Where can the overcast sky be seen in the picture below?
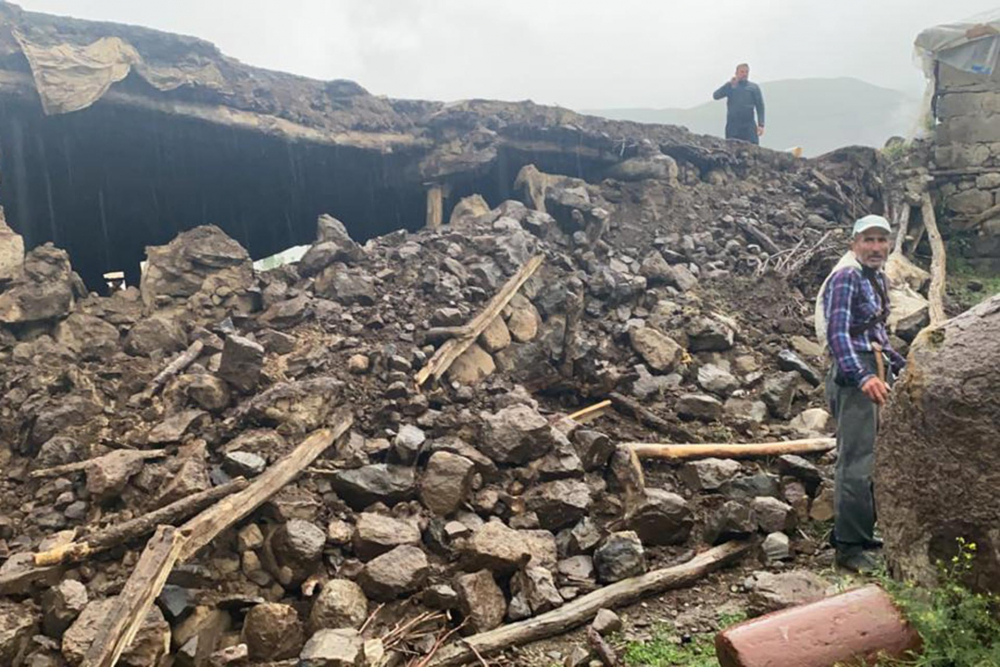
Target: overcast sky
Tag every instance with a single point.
(576, 53)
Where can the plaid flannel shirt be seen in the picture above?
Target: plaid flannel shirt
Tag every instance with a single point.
(849, 301)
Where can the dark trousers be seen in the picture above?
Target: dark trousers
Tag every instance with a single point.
(742, 130)
(857, 425)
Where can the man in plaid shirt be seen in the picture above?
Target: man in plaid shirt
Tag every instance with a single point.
(855, 308)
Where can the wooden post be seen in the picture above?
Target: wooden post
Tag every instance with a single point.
(435, 206)
(726, 450)
(935, 294)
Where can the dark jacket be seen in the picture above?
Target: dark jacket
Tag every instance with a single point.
(741, 101)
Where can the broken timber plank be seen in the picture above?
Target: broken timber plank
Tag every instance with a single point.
(583, 609)
(903, 225)
(453, 348)
(119, 628)
(935, 293)
(759, 236)
(726, 450)
(183, 360)
(625, 404)
(56, 471)
(592, 412)
(137, 527)
(203, 528)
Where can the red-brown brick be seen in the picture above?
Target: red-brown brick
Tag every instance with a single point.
(858, 623)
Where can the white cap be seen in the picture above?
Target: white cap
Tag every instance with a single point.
(870, 221)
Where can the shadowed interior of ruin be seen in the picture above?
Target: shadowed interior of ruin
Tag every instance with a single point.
(105, 182)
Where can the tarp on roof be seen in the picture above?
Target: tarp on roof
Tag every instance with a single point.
(972, 45)
(70, 77)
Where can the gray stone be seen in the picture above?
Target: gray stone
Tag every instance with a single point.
(17, 625)
(559, 503)
(208, 392)
(774, 516)
(296, 547)
(62, 604)
(661, 518)
(537, 588)
(577, 569)
(581, 538)
(620, 556)
(716, 380)
(746, 411)
(42, 291)
(749, 487)
(408, 443)
(149, 645)
(340, 604)
(481, 601)
(699, 406)
(178, 426)
(606, 622)
(157, 333)
(778, 394)
(249, 537)
(734, 520)
(811, 421)
(346, 286)
(770, 592)
(11, 253)
(90, 337)
(192, 477)
(658, 350)
(516, 435)
(494, 546)
(272, 632)
(775, 547)
(799, 468)
(593, 448)
(495, 337)
(374, 483)
(708, 474)
(242, 360)
(375, 534)
(472, 366)
(790, 361)
(340, 647)
(446, 482)
(246, 464)
(394, 574)
(107, 475)
(710, 334)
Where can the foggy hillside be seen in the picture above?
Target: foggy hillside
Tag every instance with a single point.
(817, 114)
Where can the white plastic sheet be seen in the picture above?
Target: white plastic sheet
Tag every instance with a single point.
(972, 45)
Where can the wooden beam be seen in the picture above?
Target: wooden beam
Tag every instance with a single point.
(632, 407)
(591, 413)
(583, 609)
(435, 206)
(144, 584)
(56, 471)
(203, 528)
(142, 525)
(725, 450)
(174, 368)
(935, 294)
(902, 226)
(452, 349)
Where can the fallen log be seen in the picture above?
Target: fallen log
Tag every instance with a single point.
(592, 412)
(203, 528)
(583, 609)
(629, 406)
(935, 293)
(77, 466)
(758, 235)
(453, 348)
(903, 227)
(142, 525)
(144, 584)
(725, 450)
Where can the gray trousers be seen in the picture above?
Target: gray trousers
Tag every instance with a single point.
(857, 425)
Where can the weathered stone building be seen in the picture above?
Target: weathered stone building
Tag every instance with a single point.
(961, 59)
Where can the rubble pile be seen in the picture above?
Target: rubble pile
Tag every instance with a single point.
(473, 500)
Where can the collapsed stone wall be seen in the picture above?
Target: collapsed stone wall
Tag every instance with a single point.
(967, 157)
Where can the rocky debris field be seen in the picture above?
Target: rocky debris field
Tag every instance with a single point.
(684, 285)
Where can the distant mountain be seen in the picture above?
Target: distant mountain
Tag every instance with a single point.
(817, 114)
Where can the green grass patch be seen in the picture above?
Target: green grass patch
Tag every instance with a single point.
(959, 627)
(666, 649)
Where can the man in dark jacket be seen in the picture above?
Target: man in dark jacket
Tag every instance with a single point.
(742, 99)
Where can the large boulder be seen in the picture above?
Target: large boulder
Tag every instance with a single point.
(11, 252)
(43, 290)
(203, 259)
(938, 461)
